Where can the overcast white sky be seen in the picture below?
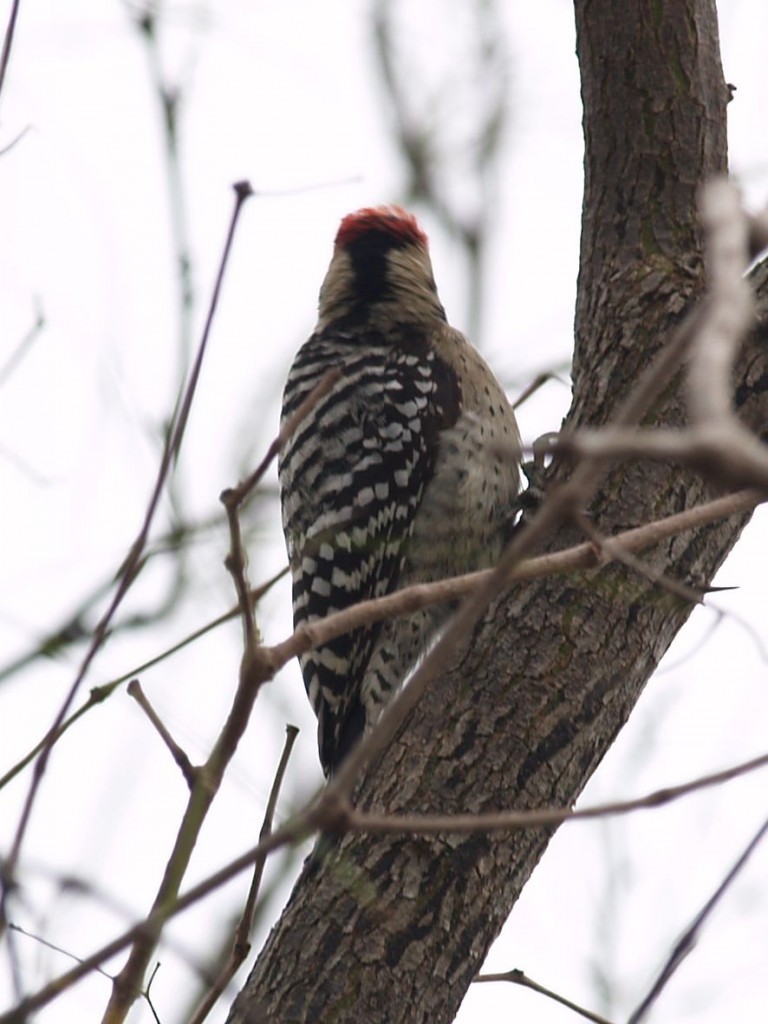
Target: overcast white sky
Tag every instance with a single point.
(285, 96)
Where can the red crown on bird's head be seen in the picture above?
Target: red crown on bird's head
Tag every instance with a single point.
(391, 220)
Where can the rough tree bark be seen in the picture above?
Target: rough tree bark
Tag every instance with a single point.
(394, 928)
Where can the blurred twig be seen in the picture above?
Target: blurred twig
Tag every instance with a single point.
(76, 627)
(241, 945)
(5, 55)
(147, 22)
(100, 693)
(538, 382)
(130, 568)
(304, 824)
(689, 938)
(169, 100)
(23, 346)
(255, 670)
(448, 156)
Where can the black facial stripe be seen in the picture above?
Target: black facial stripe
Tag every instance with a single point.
(368, 255)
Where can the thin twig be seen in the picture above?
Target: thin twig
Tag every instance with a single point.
(517, 977)
(146, 992)
(612, 549)
(241, 945)
(179, 756)
(246, 922)
(23, 347)
(52, 945)
(169, 101)
(579, 557)
(409, 599)
(100, 693)
(300, 827)
(689, 938)
(14, 963)
(5, 56)
(15, 140)
(538, 382)
(502, 821)
(237, 495)
(243, 191)
(131, 565)
(233, 497)
(236, 563)
(255, 670)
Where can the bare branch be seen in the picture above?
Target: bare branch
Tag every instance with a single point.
(727, 452)
(23, 346)
(100, 693)
(517, 977)
(351, 819)
(5, 56)
(178, 755)
(237, 495)
(15, 140)
(168, 99)
(304, 824)
(131, 565)
(146, 992)
(233, 497)
(611, 548)
(293, 831)
(52, 945)
(582, 556)
(538, 382)
(255, 669)
(243, 191)
(236, 562)
(689, 938)
(241, 945)
(730, 305)
(717, 443)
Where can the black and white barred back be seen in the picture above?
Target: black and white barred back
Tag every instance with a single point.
(406, 471)
(352, 477)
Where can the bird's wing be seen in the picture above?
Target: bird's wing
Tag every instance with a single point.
(352, 477)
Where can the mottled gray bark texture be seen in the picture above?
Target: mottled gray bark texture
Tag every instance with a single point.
(393, 929)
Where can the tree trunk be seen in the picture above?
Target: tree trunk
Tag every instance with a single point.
(393, 929)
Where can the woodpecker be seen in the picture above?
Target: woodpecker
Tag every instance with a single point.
(406, 471)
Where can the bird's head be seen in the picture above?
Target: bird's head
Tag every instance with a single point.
(380, 269)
